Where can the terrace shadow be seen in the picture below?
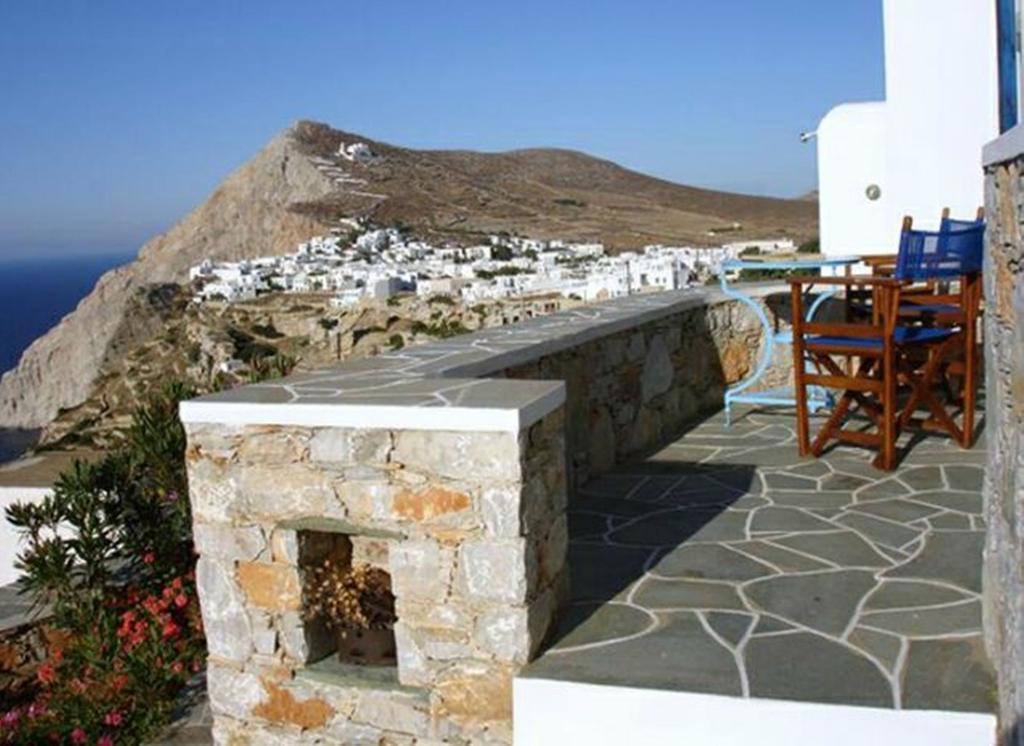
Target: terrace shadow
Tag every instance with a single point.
(634, 520)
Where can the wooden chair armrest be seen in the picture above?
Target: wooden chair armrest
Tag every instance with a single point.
(877, 259)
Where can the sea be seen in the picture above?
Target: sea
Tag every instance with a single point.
(35, 293)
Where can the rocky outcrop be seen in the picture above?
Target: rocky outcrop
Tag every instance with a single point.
(253, 213)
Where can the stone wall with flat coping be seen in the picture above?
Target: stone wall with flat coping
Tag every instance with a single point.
(450, 465)
(631, 392)
(1004, 427)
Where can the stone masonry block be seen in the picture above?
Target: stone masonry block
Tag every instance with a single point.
(483, 456)
(497, 571)
(225, 617)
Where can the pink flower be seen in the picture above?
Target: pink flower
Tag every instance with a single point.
(105, 741)
(10, 719)
(78, 736)
(181, 600)
(172, 496)
(113, 718)
(149, 558)
(36, 709)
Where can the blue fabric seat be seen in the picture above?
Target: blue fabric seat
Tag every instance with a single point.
(902, 335)
(929, 307)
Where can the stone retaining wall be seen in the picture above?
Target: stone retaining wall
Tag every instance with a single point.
(474, 533)
(1004, 431)
(449, 465)
(632, 392)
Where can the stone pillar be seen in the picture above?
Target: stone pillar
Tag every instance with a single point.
(1004, 432)
(471, 526)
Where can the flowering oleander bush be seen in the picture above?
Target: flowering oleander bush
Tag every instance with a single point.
(117, 682)
(110, 553)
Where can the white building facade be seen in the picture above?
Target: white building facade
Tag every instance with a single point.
(916, 152)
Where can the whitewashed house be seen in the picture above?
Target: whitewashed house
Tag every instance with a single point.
(917, 151)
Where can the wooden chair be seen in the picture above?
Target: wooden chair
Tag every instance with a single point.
(891, 353)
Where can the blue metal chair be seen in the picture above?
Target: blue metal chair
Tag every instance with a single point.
(893, 352)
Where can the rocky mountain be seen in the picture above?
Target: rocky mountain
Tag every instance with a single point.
(299, 186)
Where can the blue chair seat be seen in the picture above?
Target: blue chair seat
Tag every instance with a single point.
(902, 335)
(929, 307)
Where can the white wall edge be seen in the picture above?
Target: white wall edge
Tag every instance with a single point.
(554, 713)
(10, 543)
(374, 416)
(1007, 147)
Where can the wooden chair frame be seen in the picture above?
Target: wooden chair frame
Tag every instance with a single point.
(869, 378)
(874, 373)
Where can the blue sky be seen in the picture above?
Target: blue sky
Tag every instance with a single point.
(119, 117)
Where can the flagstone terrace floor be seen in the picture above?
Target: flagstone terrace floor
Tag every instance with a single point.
(726, 564)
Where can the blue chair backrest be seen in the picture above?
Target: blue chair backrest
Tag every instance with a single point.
(952, 224)
(943, 254)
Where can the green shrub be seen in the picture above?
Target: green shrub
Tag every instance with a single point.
(508, 271)
(267, 368)
(110, 552)
(442, 329)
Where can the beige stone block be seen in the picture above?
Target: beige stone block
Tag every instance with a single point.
(282, 706)
(476, 692)
(366, 501)
(302, 641)
(344, 731)
(272, 587)
(287, 491)
(501, 507)
(264, 635)
(273, 445)
(430, 504)
(213, 491)
(229, 542)
(233, 693)
(482, 456)
(284, 546)
(504, 633)
(226, 620)
(347, 447)
(494, 570)
(413, 667)
(420, 570)
(394, 712)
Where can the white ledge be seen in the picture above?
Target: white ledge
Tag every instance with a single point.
(1008, 147)
(528, 408)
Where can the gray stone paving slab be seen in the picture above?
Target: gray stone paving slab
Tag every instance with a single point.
(761, 574)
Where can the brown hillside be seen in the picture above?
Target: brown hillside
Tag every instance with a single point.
(548, 193)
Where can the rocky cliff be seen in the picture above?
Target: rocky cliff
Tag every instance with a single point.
(253, 213)
(298, 186)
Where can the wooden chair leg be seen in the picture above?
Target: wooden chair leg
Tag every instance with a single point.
(799, 383)
(887, 454)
